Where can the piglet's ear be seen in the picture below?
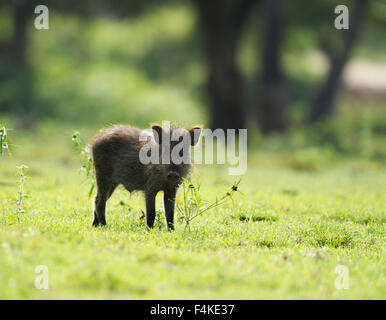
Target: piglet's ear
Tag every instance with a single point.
(195, 133)
(157, 130)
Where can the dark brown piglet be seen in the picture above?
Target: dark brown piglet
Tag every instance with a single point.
(118, 159)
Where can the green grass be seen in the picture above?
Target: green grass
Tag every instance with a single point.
(281, 237)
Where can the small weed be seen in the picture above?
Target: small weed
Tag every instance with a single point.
(21, 195)
(5, 141)
(192, 205)
(159, 220)
(85, 160)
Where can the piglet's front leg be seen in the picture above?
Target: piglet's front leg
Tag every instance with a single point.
(150, 209)
(169, 203)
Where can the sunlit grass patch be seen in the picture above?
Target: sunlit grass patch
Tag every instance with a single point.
(245, 217)
(328, 235)
(361, 217)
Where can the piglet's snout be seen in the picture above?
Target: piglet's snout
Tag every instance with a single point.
(173, 176)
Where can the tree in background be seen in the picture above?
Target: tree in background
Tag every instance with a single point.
(273, 97)
(14, 49)
(14, 64)
(221, 23)
(323, 104)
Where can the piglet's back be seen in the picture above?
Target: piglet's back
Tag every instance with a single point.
(115, 135)
(116, 143)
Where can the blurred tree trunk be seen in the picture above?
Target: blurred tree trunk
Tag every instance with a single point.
(22, 11)
(13, 50)
(14, 65)
(221, 23)
(323, 105)
(273, 99)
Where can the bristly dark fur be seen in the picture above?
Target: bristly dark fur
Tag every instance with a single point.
(115, 153)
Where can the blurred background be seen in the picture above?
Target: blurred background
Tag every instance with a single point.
(278, 68)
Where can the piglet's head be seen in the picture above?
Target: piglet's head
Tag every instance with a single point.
(174, 149)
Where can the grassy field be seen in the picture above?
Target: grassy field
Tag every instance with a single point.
(299, 214)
